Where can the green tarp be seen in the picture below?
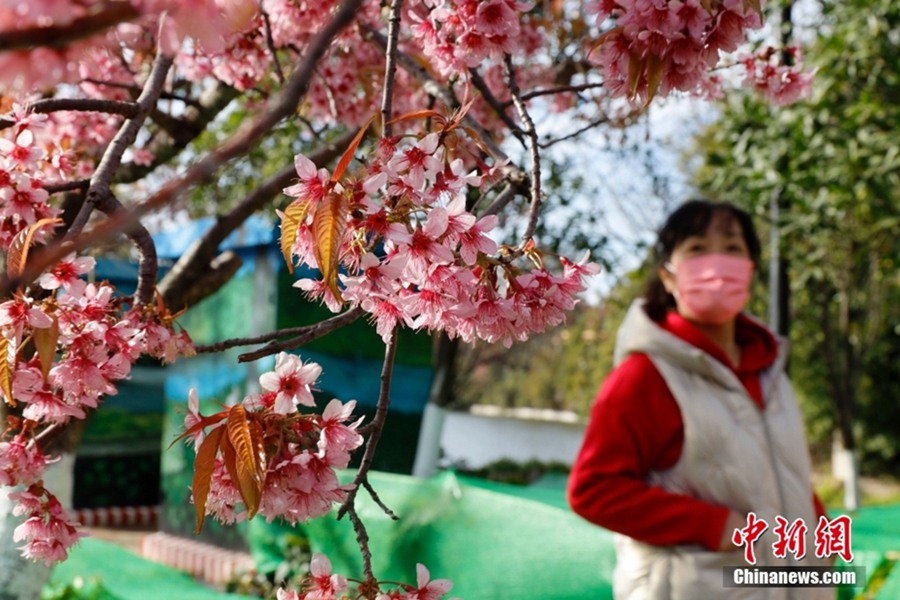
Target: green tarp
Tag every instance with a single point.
(492, 545)
(494, 541)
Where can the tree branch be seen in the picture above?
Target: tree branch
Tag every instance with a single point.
(178, 133)
(279, 107)
(270, 43)
(102, 18)
(374, 430)
(308, 333)
(556, 90)
(492, 101)
(112, 157)
(148, 265)
(49, 105)
(576, 133)
(390, 68)
(532, 137)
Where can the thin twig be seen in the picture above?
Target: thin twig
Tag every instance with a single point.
(305, 334)
(593, 124)
(362, 540)
(390, 68)
(511, 172)
(67, 186)
(270, 44)
(499, 108)
(506, 195)
(556, 90)
(377, 499)
(112, 157)
(435, 89)
(49, 105)
(532, 136)
(361, 478)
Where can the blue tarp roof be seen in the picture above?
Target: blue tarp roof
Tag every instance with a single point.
(256, 231)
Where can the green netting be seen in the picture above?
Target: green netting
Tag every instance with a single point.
(124, 576)
(493, 545)
(499, 541)
(876, 535)
(890, 590)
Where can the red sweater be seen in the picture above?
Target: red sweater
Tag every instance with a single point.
(635, 427)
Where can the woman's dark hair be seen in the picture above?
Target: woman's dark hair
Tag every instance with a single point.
(691, 218)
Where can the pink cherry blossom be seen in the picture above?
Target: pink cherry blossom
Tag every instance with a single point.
(429, 589)
(20, 463)
(49, 531)
(417, 164)
(292, 380)
(45, 402)
(337, 440)
(22, 151)
(312, 180)
(20, 312)
(475, 240)
(66, 274)
(323, 585)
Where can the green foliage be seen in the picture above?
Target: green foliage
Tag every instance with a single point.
(78, 589)
(833, 164)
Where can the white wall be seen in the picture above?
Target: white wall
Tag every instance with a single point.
(488, 434)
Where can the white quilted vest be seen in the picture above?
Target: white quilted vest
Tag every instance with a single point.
(735, 455)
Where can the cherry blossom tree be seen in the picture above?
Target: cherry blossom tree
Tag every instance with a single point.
(406, 109)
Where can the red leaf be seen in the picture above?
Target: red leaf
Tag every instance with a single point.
(419, 114)
(203, 423)
(329, 225)
(203, 469)
(249, 469)
(45, 340)
(291, 219)
(6, 372)
(351, 149)
(17, 256)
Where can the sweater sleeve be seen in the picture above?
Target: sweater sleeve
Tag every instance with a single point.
(635, 426)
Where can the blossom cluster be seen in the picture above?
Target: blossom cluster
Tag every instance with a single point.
(657, 47)
(459, 34)
(86, 341)
(411, 253)
(64, 342)
(322, 584)
(48, 530)
(302, 450)
(780, 84)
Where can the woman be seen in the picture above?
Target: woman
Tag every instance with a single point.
(697, 425)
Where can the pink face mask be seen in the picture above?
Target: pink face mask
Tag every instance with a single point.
(713, 287)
